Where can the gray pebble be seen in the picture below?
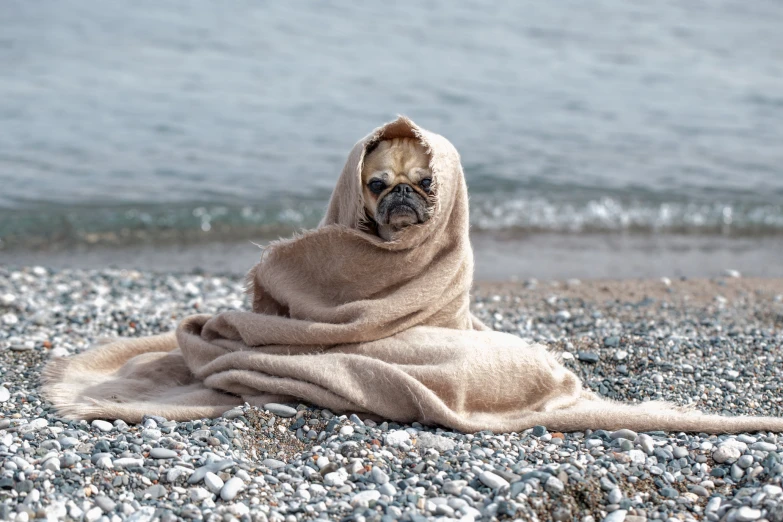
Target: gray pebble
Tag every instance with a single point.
(162, 453)
(105, 503)
(624, 434)
(281, 410)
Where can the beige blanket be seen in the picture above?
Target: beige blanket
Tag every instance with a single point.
(346, 321)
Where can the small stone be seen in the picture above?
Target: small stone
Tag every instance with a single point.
(637, 456)
(624, 434)
(379, 476)
(612, 341)
(34, 425)
(155, 492)
(539, 431)
(454, 487)
(553, 485)
(726, 454)
(363, 498)
(58, 352)
(281, 410)
(92, 515)
(669, 493)
(52, 464)
(151, 434)
(102, 425)
(588, 357)
(646, 442)
(616, 516)
(232, 414)
(388, 490)
(733, 274)
(763, 446)
(745, 461)
(700, 491)
(127, 462)
(4, 394)
(772, 490)
(615, 496)
(231, 488)
(213, 482)
(397, 437)
(713, 505)
(680, 452)
(427, 440)
(162, 453)
(335, 478)
(105, 503)
(491, 480)
(746, 514)
(346, 431)
(239, 509)
(273, 463)
(24, 486)
(199, 494)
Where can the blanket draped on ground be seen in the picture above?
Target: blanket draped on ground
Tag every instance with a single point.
(346, 321)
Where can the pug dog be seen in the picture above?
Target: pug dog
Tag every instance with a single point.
(397, 185)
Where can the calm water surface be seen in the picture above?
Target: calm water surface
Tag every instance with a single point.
(193, 121)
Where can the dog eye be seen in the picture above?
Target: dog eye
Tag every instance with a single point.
(425, 184)
(376, 186)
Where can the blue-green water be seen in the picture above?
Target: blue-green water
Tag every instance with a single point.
(197, 121)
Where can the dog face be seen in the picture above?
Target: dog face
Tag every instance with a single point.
(397, 184)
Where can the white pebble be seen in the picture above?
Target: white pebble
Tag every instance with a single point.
(93, 514)
(239, 509)
(616, 516)
(746, 514)
(231, 488)
(102, 425)
(726, 454)
(199, 494)
(54, 353)
(491, 480)
(126, 462)
(397, 437)
(363, 498)
(4, 394)
(213, 482)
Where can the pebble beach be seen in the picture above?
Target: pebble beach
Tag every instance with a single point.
(715, 344)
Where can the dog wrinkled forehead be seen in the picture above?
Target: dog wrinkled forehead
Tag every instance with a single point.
(346, 206)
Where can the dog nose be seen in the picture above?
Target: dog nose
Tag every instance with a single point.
(403, 189)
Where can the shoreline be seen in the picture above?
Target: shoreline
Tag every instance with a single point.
(497, 258)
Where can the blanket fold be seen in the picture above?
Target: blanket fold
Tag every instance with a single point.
(349, 322)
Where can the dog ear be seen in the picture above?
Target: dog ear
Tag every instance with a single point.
(371, 147)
